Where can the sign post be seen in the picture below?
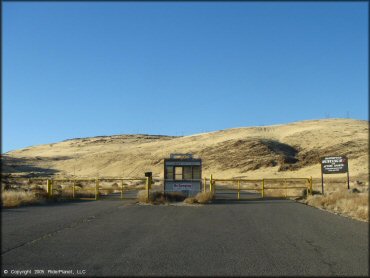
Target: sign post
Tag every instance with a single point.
(334, 165)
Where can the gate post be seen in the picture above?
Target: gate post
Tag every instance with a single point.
(121, 189)
(238, 189)
(147, 188)
(73, 189)
(96, 189)
(263, 188)
(48, 188)
(286, 189)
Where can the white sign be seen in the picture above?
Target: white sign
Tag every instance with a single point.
(182, 186)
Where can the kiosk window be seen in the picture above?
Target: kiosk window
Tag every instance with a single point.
(178, 173)
(196, 172)
(187, 173)
(169, 173)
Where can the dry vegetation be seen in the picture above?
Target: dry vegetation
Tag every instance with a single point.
(204, 197)
(12, 198)
(160, 197)
(200, 198)
(346, 202)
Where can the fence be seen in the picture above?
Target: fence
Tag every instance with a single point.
(74, 190)
(238, 187)
(243, 186)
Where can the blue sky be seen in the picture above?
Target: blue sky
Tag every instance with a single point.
(87, 69)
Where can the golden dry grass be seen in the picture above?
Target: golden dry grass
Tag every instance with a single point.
(68, 194)
(142, 196)
(250, 151)
(190, 200)
(355, 205)
(204, 197)
(284, 193)
(12, 198)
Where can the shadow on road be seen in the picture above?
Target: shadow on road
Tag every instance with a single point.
(251, 201)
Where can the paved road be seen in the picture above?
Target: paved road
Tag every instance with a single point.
(269, 237)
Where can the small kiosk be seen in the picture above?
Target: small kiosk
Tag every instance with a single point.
(183, 173)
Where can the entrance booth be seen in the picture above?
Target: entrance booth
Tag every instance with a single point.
(183, 173)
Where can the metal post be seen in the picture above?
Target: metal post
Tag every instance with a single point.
(263, 188)
(48, 187)
(308, 187)
(96, 189)
(51, 188)
(238, 189)
(73, 189)
(147, 188)
(286, 189)
(121, 189)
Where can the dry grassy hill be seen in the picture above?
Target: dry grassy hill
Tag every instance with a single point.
(279, 150)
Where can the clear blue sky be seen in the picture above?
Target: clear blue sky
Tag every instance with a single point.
(86, 69)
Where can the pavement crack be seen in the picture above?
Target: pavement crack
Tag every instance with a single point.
(50, 234)
(317, 249)
(47, 235)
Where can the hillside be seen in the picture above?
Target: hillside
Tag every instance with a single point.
(279, 150)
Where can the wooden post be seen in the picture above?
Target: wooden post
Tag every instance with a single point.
(348, 178)
(210, 183)
(322, 183)
(73, 189)
(311, 185)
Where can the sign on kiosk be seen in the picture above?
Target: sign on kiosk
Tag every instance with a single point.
(333, 165)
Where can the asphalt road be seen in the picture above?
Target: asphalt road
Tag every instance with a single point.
(108, 238)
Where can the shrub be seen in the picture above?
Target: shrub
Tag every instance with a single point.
(12, 198)
(158, 197)
(190, 200)
(204, 197)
